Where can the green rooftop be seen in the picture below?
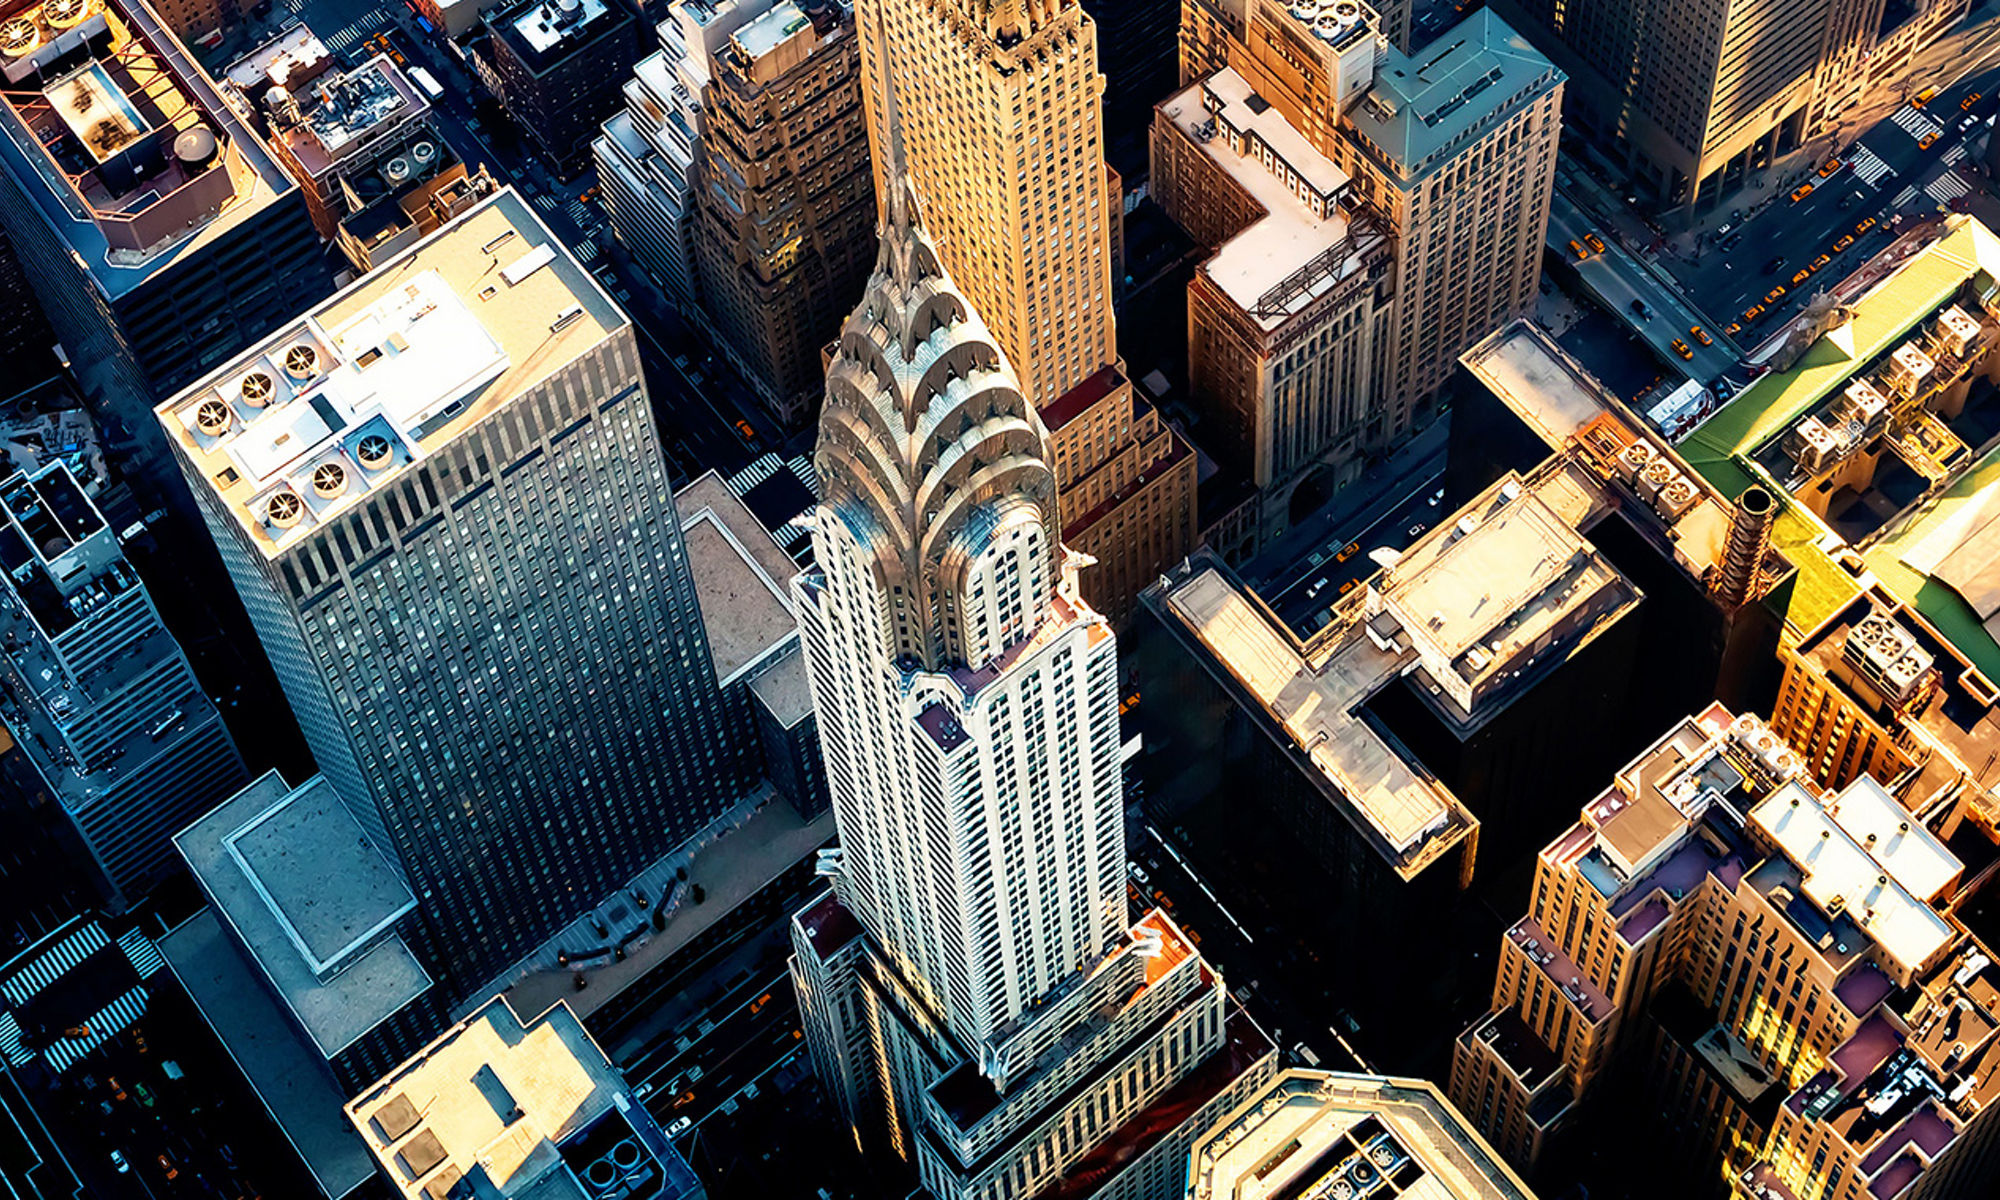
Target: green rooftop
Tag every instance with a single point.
(1721, 448)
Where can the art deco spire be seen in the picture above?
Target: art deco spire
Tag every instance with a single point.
(932, 464)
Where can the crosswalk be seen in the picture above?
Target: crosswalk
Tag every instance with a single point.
(50, 965)
(1904, 197)
(1916, 122)
(1868, 166)
(1947, 187)
(1955, 155)
(146, 957)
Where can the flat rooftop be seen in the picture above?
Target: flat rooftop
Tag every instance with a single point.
(134, 209)
(294, 878)
(1305, 1128)
(1538, 380)
(1304, 222)
(1475, 73)
(1940, 560)
(293, 52)
(1314, 695)
(494, 1095)
(1861, 853)
(288, 1075)
(542, 29)
(740, 578)
(1505, 573)
(340, 402)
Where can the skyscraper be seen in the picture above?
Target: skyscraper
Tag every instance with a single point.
(1007, 152)
(98, 695)
(442, 499)
(973, 989)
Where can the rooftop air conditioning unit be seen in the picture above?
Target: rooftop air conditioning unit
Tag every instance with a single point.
(396, 170)
(373, 451)
(1676, 498)
(1956, 331)
(19, 36)
(1633, 459)
(423, 154)
(213, 418)
(1908, 367)
(1811, 444)
(329, 479)
(302, 361)
(1654, 479)
(255, 389)
(1861, 403)
(65, 14)
(284, 510)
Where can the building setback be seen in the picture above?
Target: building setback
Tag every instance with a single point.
(100, 698)
(785, 231)
(556, 66)
(442, 499)
(156, 256)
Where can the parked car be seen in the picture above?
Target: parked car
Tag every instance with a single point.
(680, 1127)
(118, 1162)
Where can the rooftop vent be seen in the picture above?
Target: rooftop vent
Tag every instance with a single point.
(65, 14)
(18, 36)
(329, 479)
(301, 361)
(397, 170)
(423, 154)
(255, 389)
(284, 509)
(374, 451)
(213, 418)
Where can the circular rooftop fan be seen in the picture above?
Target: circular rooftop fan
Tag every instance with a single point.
(300, 361)
(329, 479)
(373, 451)
(255, 389)
(65, 14)
(212, 418)
(284, 510)
(18, 36)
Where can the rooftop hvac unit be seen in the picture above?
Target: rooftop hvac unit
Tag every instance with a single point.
(1657, 475)
(1812, 445)
(1633, 459)
(213, 418)
(373, 451)
(284, 510)
(1908, 367)
(621, 1172)
(19, 36)
(329, 479)
(1676, 498)
(65, 14)
(423, 154)
(1860, 402)
(396, 170)
(302, 361)
(1956, 331)
(255, 389)
(1341, 1190)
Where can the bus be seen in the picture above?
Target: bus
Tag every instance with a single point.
(427, 82)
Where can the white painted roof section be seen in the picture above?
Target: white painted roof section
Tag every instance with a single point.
(1913, 855)
(1840, 873)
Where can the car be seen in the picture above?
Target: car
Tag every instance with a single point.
(167, 1166)
(1968, 121)
(1927, 141)
(1776, 294)
(1821, 261)
(1596, 243)
(642, 1091)
(1681, 348)
(680, 1127)
(1347, 587)
(1846, 240)
(1801, 192)
(143, 1094)
(1137, 872)
(1829, 167)
(1864, 224)
(1418, 528)
(1733, 328)
(1640, 310)
(119, 1164)
(1723, 229)
(1804, 274)
(117, 1088)
(1701, 335)
(1578, 248)
(1775, 265)
(1753, 312)
(757, 1005)
(1350, 551)
(743, 428)
(1971, 100)
(1922, 98)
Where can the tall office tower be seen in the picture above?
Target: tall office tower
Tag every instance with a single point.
(160, 238)
(1454, 147)
(649, 153)
(974, 993)
(1779, 976)
(1007, 153)
(1324, 1134)
(504, 1109)
(787, 207)
(557, 67)
(442, 499)
(1696, 96)
(99, 696)
(1283, 318)
(362, 143)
